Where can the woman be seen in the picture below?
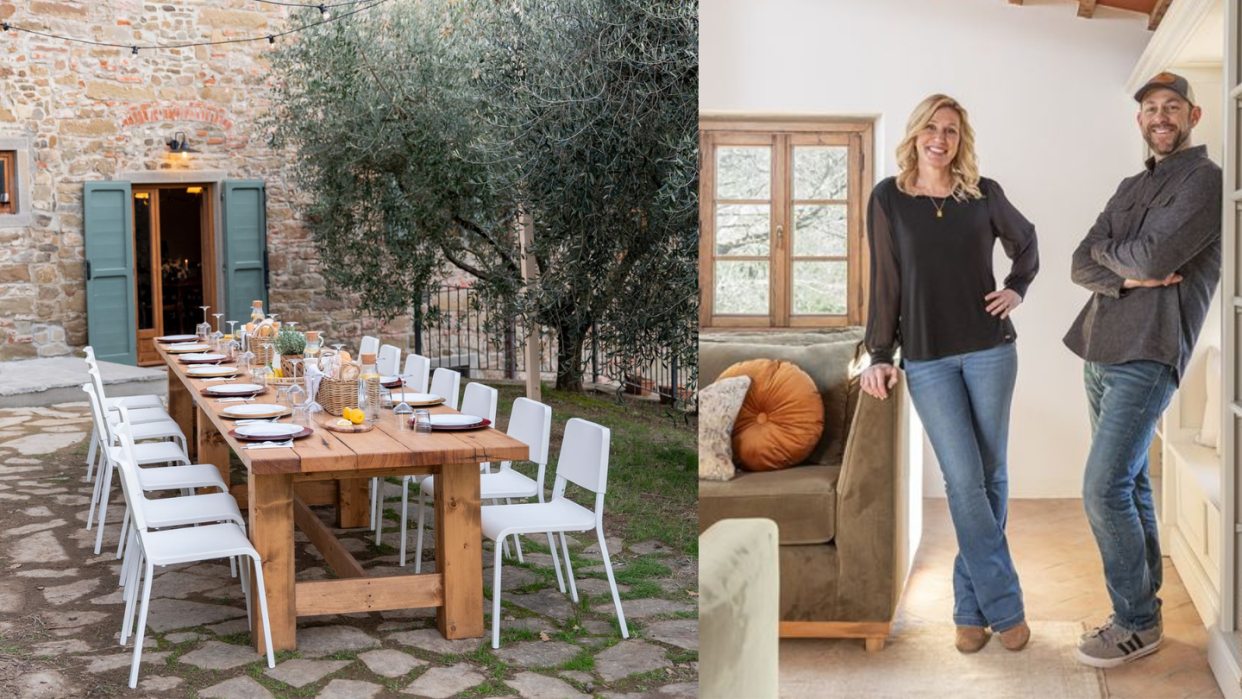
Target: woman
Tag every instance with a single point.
(932, 230)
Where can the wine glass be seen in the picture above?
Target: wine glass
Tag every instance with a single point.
(217, 335)
(232, 328)
(203, 329)
(292, 324)
(297, 394)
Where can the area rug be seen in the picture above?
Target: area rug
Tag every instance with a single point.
(919, 662)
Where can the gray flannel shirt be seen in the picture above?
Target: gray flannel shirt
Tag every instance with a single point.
(1163, 220)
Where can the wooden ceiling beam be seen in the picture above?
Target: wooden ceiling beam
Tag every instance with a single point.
(1015, 2)
(1086, 8)
(1157, 14)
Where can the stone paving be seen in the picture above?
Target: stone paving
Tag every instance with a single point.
(60, 608)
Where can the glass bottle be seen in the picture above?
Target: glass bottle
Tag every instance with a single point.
(256, 313)
(366, 378)
(312, 348)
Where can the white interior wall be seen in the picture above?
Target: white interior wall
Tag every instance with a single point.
(1054, 127)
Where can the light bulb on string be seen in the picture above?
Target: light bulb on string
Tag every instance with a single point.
(323, 10)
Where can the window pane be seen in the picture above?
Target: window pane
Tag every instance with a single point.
(820, 231)
(819, 287)
(742, 288)
(743, 229)
(743, 172)
(821, 172)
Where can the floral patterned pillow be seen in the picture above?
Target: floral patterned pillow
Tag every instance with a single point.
(719, 404)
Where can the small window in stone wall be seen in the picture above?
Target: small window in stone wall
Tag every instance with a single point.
(8, 182)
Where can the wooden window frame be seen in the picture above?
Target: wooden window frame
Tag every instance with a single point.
(782, 136)
(9, 158)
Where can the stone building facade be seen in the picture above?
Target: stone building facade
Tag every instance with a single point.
(74, 113)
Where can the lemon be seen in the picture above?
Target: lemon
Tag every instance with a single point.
(343, 423)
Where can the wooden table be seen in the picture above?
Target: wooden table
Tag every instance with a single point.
(334, 468)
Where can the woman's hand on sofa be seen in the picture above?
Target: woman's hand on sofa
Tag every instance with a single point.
(878, 379)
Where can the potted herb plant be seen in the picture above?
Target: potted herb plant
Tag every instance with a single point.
(290, 344)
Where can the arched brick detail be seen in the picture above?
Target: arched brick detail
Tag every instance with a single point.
(189, 111)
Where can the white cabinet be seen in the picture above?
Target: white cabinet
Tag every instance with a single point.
(1190, 495)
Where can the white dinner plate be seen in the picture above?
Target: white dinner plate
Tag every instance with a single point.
(211, 371)
(177, 338)
(235, 389)
(203, 357)
(188, 347)
(389, 379)
(254, 410)
(269, 429)
(412, 398)
(455, 420)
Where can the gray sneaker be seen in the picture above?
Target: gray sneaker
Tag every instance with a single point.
(1111, 645)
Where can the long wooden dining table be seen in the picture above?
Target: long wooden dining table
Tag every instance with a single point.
(333, 468)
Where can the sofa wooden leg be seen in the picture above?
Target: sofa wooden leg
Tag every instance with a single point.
(874, 645)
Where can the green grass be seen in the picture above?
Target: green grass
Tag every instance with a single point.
(639, 570)
(584, 661)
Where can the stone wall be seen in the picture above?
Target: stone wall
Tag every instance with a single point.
(91, 113)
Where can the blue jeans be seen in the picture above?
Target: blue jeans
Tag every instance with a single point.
(1126, 400)
(963, 401)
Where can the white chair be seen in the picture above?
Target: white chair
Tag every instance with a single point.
(417, 370)
(479, 400)
(583, 462)
(389, 360)
(153, 425)
(177, 511)
(529, 422)
(145, 402)
(175, 546)
(369, 345)
(183, 477)
(446, 383)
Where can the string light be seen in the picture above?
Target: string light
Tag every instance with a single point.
(324, 10)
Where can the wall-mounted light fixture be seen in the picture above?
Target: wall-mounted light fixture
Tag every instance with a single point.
(178, 145)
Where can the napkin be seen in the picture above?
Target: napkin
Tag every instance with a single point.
(270, 445)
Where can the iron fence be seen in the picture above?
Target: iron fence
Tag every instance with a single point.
(454, 330)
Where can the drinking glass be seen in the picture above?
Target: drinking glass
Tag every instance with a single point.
(422, 419)
(302, 415)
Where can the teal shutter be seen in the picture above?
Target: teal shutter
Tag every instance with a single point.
(245, 248)
(111, 324)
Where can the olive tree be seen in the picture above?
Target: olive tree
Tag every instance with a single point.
(424, 130)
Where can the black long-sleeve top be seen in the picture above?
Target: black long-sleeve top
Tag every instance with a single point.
(930, 274)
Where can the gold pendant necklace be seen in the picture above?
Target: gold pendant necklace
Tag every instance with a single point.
(940, 206)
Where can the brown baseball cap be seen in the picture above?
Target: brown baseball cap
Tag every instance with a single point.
(1168, 81)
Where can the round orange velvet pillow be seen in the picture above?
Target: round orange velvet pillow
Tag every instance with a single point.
(782, 417)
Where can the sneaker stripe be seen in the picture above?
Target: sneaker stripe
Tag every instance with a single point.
(1138, 641)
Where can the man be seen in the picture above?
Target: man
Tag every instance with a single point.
(1152, 261)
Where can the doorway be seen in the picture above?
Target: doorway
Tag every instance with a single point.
(174, 256)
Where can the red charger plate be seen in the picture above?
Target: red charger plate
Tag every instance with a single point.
(205, 361)
(207, 392)
(456, 428)
(306, 432)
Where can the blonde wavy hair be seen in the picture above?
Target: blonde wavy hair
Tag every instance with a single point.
(965, 166)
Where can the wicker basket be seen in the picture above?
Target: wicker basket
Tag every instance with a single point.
(336, 396)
